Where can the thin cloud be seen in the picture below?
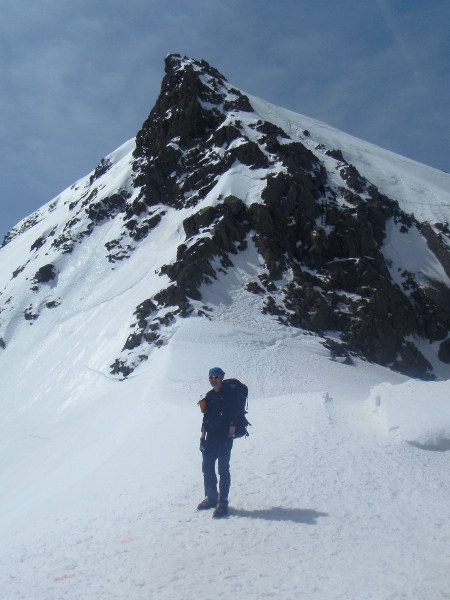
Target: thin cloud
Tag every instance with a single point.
(408, 52)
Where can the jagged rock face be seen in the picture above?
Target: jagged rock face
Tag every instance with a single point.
(320, 231)
(327, 239)
(181, 131)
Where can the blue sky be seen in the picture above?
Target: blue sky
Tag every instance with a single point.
(79, 78)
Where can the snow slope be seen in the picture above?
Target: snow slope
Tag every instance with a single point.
(100, 479)
(420, 190)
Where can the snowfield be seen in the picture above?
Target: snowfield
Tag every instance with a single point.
(333, 494)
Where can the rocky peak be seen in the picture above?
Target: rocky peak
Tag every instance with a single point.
(194, 112)
(185, 109)
(239, 177)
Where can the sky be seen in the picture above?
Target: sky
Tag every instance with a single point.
(78, 79)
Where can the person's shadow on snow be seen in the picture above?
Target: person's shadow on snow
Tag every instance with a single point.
(278, 513)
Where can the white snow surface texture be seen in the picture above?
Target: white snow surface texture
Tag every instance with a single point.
(100, 479)
(340, 492)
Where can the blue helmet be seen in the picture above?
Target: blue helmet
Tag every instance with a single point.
(216, 371)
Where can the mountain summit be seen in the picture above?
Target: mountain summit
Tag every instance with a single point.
(347, 241)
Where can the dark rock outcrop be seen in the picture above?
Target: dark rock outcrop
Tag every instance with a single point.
(45, 274)
(444, 351)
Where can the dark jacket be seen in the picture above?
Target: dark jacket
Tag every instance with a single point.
(222, 410)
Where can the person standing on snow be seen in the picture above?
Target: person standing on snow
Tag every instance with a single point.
(220, 413)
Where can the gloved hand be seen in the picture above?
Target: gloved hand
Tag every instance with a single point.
(202, 445)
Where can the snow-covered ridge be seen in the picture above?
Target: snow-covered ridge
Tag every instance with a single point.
(420, 190)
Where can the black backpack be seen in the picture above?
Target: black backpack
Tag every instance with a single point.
(241, 392)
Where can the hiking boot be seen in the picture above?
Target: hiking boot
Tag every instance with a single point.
(221, 511)
(207, 503)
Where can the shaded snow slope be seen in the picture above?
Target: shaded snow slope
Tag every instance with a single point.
(409, 251)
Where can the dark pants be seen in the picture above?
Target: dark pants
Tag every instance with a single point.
(217, 448)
